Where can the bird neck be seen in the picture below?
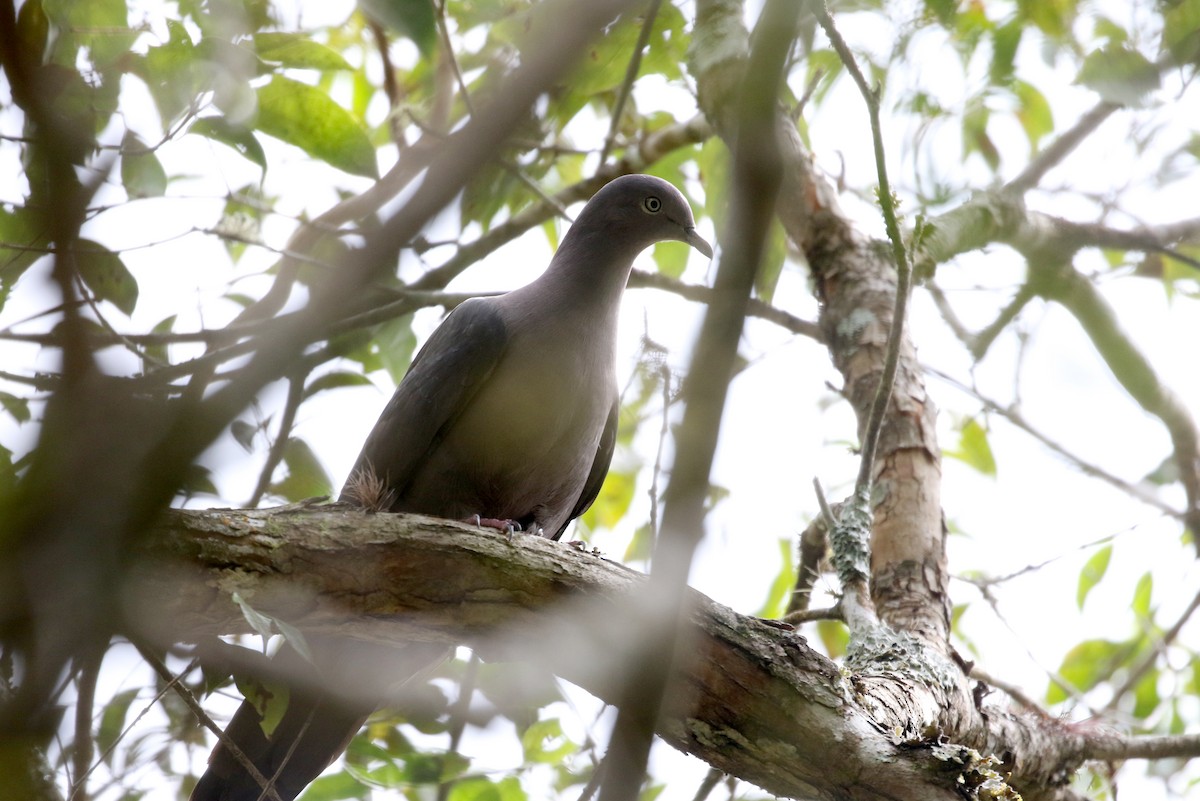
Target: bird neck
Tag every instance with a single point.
(589, 271)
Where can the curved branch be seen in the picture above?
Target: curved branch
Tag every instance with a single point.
(755, 702)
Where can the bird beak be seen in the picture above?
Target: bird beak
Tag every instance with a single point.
(695, 240)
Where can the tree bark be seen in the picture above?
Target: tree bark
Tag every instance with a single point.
(756, 702)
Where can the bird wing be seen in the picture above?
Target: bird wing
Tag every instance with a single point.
(447, 372)
(595, 479)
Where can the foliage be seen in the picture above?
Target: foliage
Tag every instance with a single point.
(217, 131)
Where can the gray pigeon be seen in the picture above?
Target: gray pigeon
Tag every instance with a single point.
(508, 416)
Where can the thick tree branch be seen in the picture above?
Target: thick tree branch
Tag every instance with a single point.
(755, 701)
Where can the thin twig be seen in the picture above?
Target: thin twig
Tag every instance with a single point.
(1087, 468)
(1147, 662)
(631, 73)
(175, 683)
(279, 447)
(891, 362)
(1060, 148)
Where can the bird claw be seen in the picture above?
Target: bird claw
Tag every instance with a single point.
(509, 527)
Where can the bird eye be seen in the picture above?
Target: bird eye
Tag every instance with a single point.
(652, 204)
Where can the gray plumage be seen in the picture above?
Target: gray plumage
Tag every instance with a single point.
(510, 409)
(509, 412)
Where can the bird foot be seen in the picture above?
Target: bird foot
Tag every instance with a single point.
(509, 527)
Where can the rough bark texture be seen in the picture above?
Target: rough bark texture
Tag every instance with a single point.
(757, 702)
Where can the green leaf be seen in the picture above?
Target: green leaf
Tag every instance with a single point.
(1181, 30)
(112, 722)
(834, 636)
(1145, 695)
(157, 353)
(671, 258)
(20, 246)
(781, 588)
(106, 275)
(1092, 572)
(269, 699)
(306, 117)
(262, 624)
(1119, 75)
(396, 342)
(1005, 41)
(336, 787)
(412, 18)
(17, 408)
(974, 449)
(1085, 665)
(640, 546)
(298, 51)
(305, 478)
(774, 255)
(141, 171)
(545, 742)
(610, 506)
(235, 136)
(1142, 594)
(1033, 113)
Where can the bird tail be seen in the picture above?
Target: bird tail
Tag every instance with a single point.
(328, 701)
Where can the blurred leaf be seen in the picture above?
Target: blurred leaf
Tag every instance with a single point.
(1093, 571)
(305, 478)
(237, 137)
(141, 172)
(244, 434)
(173, 71)
(1181, 30)
(1145, 695)
(269, 699)
(774, 255)
(1086, 664)
(975, 135)
(671, 258)
(298, 51)
(1005, 41)
(336, 380)
(295, 638)
(17, 408)
(640, 546)
(33, 28)
(834, 636)
(479, 788)
(1141, 596)
(616, 494)
(1033, 112)
(20, 246)
(101, 27)
(775, 606)
(106, 275)
(943, 11)
(262, 624)
(412, 18)
(396, 342)
(1119, 75)
(198, 479)
(158, 353)
(545, 742)
(1053, 17)
(112, 722)
(335, 787)
(974, 449)
(308, 118)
